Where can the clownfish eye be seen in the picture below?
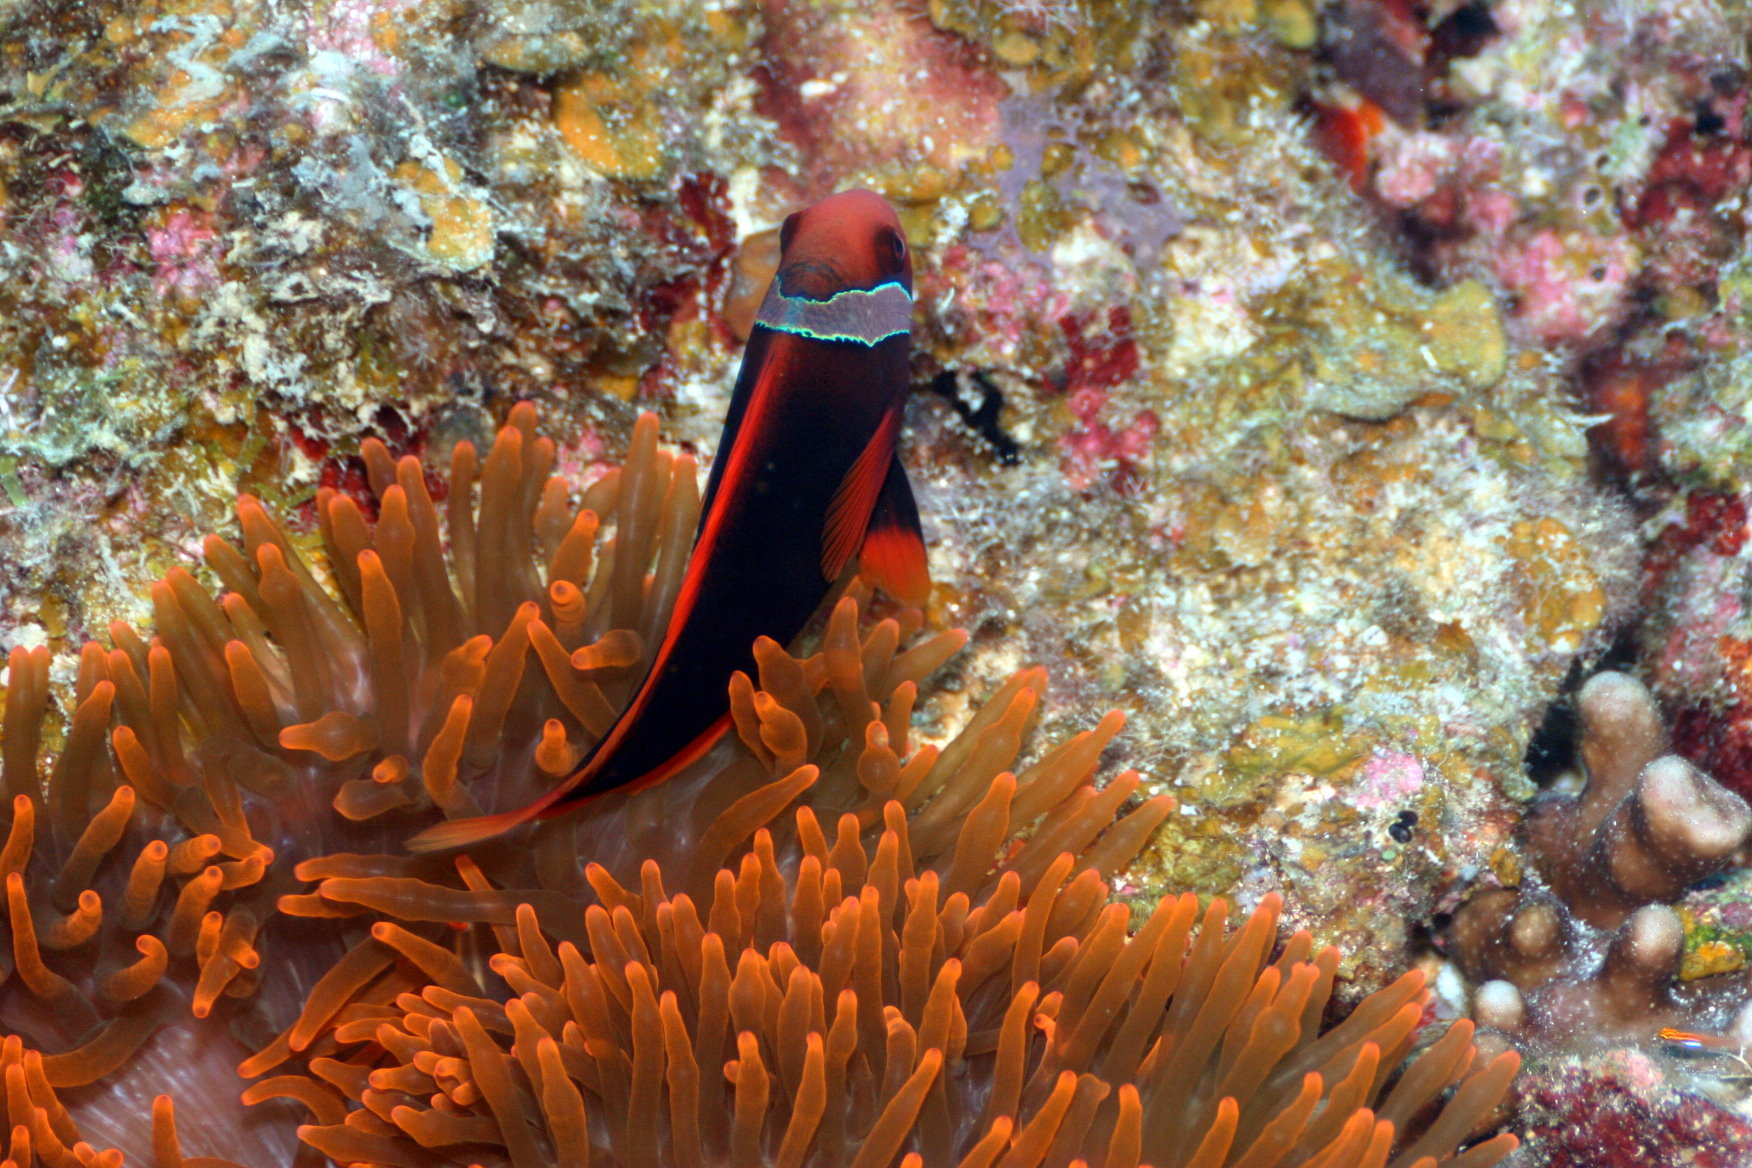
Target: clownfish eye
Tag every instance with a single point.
(896, 246)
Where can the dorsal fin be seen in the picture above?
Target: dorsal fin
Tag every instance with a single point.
(761, 366)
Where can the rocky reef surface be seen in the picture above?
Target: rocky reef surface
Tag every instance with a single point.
(1330, 385)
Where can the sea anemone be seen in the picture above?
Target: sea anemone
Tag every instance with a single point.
(1030, 1029)
(917, 982)
(196, 769)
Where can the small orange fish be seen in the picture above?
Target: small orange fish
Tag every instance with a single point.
(1691, 1040)
(806, 477)
(1713, 1047)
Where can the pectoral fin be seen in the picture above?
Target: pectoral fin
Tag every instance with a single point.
(893, 558)
(848, 514)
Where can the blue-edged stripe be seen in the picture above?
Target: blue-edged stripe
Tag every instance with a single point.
(868, 316)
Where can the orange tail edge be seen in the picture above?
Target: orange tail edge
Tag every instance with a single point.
(466, 833)
(457, 834)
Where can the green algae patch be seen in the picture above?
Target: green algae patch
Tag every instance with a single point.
(1201, 854)
(1314, 744)
(1292, 23)
(461, 238)
(1466, 337)
(1043, 216)
(1718, 927)
(1560, 596)
(1061, 44)
(610, 126)
(1379, 343)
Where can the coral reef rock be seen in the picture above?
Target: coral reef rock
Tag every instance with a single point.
(1588, 950)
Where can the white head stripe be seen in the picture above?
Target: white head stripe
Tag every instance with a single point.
(868, 316)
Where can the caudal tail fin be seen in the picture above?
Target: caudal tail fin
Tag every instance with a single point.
(466, 833)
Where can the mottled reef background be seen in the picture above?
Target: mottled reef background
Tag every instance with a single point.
(1330, 384)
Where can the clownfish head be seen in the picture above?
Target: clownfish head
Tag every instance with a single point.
(851, 241)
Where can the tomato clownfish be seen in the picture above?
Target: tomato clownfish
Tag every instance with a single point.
(806, 477)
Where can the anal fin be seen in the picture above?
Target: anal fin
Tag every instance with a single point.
(893, 557)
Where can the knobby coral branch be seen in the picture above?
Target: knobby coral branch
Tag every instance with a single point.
(1643, 827)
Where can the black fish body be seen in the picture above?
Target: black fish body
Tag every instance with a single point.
(805, 479)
